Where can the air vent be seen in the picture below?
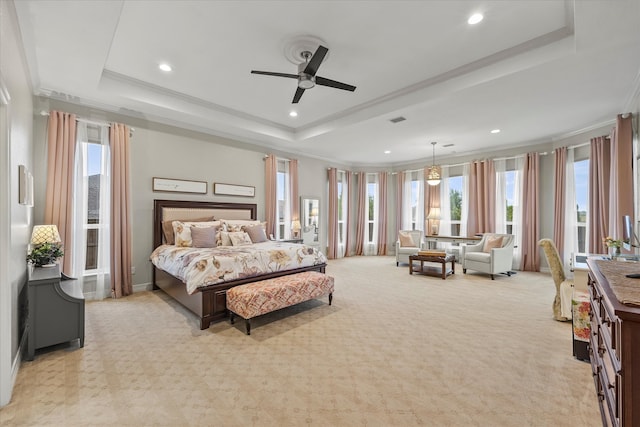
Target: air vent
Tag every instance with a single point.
(398, 119)
(448, 145)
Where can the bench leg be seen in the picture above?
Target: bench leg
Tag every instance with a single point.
(232, 319)
(330, 298)
(247, 324)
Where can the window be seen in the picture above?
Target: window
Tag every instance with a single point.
(510, 197)
(455, 200)
(283, 191)
(96, 156)
(581, 179)
(91, 209)
(343, 195)
(413, 201)
(371, 215)
(372, 211)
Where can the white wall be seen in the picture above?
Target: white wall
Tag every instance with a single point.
(16, 148)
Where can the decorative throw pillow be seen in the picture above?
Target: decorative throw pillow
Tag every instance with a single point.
(223, 239)
(203, 237)
(406, 240)
(239, 238)
(167, 228)
(237, 224)
(492, 242)
(256, 233)
(182, 230)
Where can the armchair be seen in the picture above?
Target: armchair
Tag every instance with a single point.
(492, 255)
(409, 242)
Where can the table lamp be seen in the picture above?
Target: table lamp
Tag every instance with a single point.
(296, 227)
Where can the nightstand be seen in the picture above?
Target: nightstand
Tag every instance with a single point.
(56, 309)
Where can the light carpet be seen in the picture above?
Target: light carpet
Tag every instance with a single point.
(393, 350)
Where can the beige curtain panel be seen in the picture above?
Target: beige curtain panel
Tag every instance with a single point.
(382, 213)
(560, 168)
(599, 185)
(530, 213)
(332, 241)
(58, 208)
(119, 142)
(270, 193)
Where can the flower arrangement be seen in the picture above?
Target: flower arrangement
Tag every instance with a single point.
(610, 242)
(45, 254)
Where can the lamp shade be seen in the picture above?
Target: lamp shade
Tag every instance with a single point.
(295, 225)
(45, 234)
(434, 213)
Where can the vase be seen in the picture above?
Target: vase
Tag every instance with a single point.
(615, 251)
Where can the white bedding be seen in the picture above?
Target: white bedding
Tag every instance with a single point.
(199, 267)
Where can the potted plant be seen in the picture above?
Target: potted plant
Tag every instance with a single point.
(45, 254)
(610, 242)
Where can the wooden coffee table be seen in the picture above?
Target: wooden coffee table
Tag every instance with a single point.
(433, 271)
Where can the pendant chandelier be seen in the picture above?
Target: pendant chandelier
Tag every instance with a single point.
(433, 178)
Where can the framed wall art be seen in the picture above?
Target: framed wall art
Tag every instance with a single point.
(179, 186)
(233, 190)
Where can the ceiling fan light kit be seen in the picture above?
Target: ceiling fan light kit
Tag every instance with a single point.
(306, 76)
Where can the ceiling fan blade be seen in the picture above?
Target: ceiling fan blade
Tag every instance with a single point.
(332, 83)
(298, 95)
(316, 60)
(269, 73)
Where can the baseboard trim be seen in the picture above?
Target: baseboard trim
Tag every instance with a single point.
(141, 287)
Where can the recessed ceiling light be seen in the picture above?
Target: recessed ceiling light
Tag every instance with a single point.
(165, 67)
(293, 113)
(387, 152)
(495, 131)
(475, 18)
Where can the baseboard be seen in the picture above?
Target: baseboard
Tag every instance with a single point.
(141, 287)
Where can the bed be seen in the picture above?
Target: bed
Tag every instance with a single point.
(208, 301)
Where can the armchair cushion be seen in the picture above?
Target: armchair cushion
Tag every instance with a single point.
(492, 242)
(406, 240)
(478, 256)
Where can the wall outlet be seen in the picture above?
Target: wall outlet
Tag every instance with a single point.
(133, 269)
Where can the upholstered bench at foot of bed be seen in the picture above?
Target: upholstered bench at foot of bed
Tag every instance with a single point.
(257, 298)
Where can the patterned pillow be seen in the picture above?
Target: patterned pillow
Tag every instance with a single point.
(203, 237)
(223, 239)
(167, 228)
(237, 224)
(256, 233)
(182, 231)
(492, 242)
(240, 238)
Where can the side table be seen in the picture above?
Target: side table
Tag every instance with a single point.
(56, 309)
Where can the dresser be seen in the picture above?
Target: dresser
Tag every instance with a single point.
(55, 309)
(615, 340)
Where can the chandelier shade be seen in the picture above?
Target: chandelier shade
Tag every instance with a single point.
(435, 173)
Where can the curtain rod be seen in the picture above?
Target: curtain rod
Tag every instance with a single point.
(91, 122)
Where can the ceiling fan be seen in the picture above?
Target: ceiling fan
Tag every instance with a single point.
(307, 74)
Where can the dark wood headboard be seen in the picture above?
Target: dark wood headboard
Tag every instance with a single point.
(218, 209)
